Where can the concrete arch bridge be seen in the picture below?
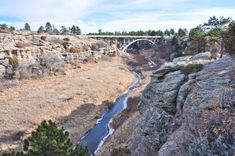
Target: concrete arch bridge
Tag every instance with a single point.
(124, 42)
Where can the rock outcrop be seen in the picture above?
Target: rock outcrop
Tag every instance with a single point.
(188, 113)
(43, 55)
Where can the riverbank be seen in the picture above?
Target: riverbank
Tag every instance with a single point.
(124, 122)
(76, 100)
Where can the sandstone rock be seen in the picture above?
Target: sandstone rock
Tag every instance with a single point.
(166, 68)
(2, 71)
(2, 55)
(4, 62)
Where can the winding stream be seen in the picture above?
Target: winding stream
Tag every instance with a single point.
(95, 137)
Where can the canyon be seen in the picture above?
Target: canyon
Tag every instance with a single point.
(183, 106)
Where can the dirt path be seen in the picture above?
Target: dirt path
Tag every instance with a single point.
(76, 97)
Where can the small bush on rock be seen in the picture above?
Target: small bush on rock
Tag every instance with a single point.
(75, 50)
(44, 38)
(13, 61)
(120, 152)
(191, 68)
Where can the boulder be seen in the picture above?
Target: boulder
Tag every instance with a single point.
(2, 71)
(2, 55)
(163, 92)
(151, 132)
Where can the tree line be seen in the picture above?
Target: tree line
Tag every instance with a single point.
(167, 32)
(49, 28)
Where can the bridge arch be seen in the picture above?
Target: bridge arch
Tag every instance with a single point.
(125, 47)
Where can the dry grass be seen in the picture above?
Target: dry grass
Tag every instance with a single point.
(57, 97)
(21, 45)
(75, 50)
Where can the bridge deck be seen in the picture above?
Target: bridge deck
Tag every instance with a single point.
(119, 36)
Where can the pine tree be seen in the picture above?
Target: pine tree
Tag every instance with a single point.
(41, 29)
(49, 140)
(48, 27)
(27, 27)
(229, 40)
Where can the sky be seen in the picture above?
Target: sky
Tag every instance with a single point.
(114, 15)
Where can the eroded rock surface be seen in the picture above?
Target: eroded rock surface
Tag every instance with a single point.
(29, 55)
(188, 114)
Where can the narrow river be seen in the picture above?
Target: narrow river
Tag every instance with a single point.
(96, 136)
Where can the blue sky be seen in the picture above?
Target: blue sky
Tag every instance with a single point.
(114, 15)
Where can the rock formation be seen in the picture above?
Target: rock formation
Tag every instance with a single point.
(187, 111)
(27, 55)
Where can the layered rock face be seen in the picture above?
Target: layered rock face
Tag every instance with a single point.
(42, 55)
(188, 112)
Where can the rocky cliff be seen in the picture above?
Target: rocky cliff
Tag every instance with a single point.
(25, 55)
(188, 109)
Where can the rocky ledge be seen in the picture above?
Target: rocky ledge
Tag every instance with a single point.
(25, 55)
(188, 109)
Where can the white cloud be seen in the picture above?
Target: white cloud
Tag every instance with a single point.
(123, 15)
(155, 21)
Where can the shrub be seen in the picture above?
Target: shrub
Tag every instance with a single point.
(75, 50)
(44, 38)
(120, 152)
(191, 68)
(66, 39)
(49, 140)
(14, 62)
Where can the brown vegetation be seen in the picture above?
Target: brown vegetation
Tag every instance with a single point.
(44, 38)
(75, 50)
(57, 97)
(191, 68)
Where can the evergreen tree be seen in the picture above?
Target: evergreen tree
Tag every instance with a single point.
(78, 31)
(49, 140)
(99, 31)
(182, 32)
(41, 30)
(159, 33)
(197, 39)
(75, 30)
(229, 40)
(172, 31)
(48, 27)
(27, 27)
(167, 32)
(3, 26)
